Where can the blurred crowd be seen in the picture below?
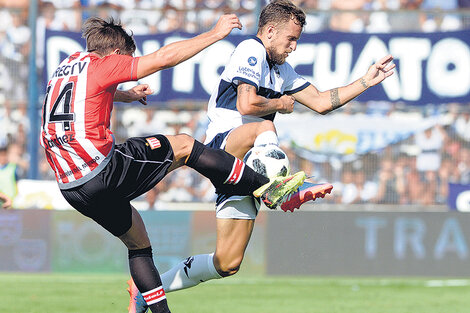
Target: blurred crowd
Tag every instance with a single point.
(415, 171)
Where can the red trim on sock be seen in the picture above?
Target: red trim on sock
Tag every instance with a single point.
(236, 173)
(154, 295)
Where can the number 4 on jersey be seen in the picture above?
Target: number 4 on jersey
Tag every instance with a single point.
(61, 109)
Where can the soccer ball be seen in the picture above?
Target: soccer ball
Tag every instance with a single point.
(268, 160)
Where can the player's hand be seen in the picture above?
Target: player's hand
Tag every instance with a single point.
(6, 202)
(225, 24)
(287, 104)
(139, 93)
(379, 71)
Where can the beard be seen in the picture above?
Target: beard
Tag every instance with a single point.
(276, 57)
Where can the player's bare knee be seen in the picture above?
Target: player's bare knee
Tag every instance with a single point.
(228, 272)
(229, 267)
(182, 145)
(266, 125)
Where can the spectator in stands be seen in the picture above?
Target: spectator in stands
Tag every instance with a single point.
(62, 14)
(348, 189)
(462, 126)
(463, 165)
(350, 20)
(440, 21)
(180, 186)
(387, 191)
(367, 189)
(430, 143)
(315, 21)
(408, 19)
(8, 175)
(415, 188)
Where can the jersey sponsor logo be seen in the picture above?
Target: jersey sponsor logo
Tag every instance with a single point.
(154, 295)
(69, 70)
(78, 169)
(248, 72)
(252, 61)
(153, 142)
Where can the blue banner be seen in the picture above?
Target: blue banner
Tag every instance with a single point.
(426, 70)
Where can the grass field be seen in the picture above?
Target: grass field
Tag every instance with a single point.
(102, 293)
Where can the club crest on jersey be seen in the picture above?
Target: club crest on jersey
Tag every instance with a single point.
(153, 142)
(252, 61)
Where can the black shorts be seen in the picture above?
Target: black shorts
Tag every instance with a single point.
(134, 169)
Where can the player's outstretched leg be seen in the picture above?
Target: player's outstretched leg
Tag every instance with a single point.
(232, 177)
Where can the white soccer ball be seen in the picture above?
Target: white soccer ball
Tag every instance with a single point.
(268, 160)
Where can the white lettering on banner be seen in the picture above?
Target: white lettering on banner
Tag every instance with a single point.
(304, 55)
(154, 80)
(448, 65)
(324, 77)
(422, 65)
(411, 233)
(373, 51)
(463, 201)
(451, 239)
(411, 52)
(213, 60)
(184, 73)
(371, 226)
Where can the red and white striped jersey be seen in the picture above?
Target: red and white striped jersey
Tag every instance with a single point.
(77, 111)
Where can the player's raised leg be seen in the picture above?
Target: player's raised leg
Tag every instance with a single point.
(230, 175)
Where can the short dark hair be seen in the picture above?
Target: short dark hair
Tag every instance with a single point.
(280, 11)
(104, 36)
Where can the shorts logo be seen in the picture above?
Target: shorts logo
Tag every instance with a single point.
(153, 142)
(252, 61)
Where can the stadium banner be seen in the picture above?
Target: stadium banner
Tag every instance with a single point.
(344, 134)
(369, 243)
(427, 72)
(24, 240)
(459, 197)
(79, 244)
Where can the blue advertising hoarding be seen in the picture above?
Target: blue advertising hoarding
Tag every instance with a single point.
(426, 71)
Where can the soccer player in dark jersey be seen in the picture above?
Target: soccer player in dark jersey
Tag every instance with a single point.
(98, 177)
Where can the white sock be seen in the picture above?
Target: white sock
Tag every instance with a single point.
(199, 268)
(267, 138)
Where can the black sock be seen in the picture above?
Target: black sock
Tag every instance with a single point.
(147, 279)
(228, 174)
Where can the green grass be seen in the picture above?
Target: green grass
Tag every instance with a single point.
(101, 293)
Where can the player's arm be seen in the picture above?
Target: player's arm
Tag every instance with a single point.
(177, 52)
(250, 103)
(327, 101)
(137, 93)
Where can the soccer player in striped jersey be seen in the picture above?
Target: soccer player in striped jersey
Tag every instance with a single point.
(98, 177)
(255, 85)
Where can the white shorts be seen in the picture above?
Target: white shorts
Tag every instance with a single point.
(238, 207)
